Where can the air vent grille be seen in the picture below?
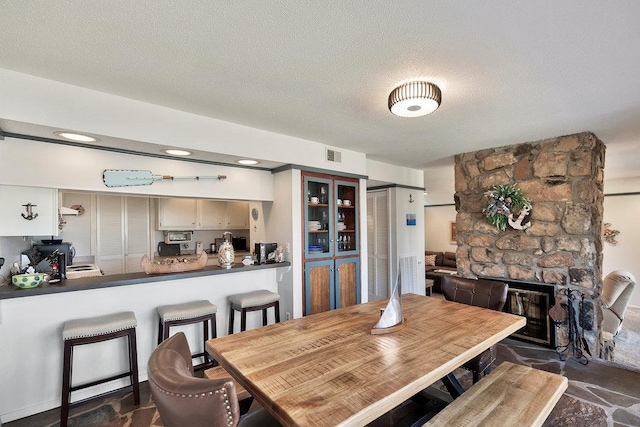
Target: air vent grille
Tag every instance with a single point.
(334, 156)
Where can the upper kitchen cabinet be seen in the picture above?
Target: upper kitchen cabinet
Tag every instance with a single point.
(194, 214)
(177, 214)
(236, 215)
(28, 211)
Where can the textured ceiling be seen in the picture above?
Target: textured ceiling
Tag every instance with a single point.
(510, 71)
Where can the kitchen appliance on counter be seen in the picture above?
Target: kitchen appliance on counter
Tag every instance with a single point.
(83, 270)
(199, 248)
(218, 243)
(168, 249)
(65, 248)
(262, 251)
(178, 236)
(239, 243)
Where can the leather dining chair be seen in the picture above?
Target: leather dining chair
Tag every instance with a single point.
(184, 400)
(490, 294)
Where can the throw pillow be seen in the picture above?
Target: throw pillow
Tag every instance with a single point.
(430, 260)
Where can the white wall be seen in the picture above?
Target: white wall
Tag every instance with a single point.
(386, 173)
(622, 213)
(283, 223)
(437, 221)
(77, 168)
(63, 106)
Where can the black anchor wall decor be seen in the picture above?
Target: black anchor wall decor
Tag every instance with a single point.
(30, 214)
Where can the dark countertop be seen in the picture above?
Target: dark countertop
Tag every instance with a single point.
(10, 291)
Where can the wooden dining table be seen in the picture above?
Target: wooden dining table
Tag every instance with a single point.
(327, 369)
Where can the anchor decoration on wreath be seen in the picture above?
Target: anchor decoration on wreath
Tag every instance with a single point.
(503, 203)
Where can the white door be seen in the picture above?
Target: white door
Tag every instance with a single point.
(122, 233)
(136, 232)
(110, 238)
(378, 244)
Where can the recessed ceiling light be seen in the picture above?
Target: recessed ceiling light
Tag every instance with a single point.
(425, 193)
(175, 152)
(78, 137)
(247, 162)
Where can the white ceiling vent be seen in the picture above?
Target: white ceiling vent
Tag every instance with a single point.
(334, 156)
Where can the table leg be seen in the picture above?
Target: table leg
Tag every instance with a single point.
(453, 386)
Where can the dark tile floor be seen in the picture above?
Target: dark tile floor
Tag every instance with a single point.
(599, 394)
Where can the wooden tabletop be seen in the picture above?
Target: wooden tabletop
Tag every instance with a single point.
(327, 369)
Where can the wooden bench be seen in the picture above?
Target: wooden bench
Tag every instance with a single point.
(511, 395)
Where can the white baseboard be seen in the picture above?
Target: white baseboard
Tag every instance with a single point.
(78, 395)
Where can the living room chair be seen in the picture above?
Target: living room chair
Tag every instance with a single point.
(490, 294)
(185, 400)
(617, 289)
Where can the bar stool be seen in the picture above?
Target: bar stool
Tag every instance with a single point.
(93, 330)
(185, 314)
(253, 301)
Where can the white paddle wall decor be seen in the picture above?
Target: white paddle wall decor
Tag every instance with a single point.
(128, 178)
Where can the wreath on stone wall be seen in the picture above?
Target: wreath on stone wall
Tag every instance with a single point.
(504, 201)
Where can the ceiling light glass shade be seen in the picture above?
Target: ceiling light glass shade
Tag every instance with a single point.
(78, 137)
(175, 152)
(247, 162)
(415, 99)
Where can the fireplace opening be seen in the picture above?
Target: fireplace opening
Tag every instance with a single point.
(533, 301)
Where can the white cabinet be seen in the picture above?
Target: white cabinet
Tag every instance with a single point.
(44, 204)
(177, 214)
(192, 214)
(122, 233)
(211, 215)
(236, 215)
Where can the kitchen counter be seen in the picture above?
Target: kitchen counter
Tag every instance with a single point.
(10, 291)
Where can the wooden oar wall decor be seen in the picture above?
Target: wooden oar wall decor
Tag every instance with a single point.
(129, 178)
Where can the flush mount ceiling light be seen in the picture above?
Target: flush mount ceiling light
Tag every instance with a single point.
(175, 152)
(247, 162)
(78, 137)
(415, 99)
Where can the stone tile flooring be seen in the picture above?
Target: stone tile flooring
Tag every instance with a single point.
(599, 394)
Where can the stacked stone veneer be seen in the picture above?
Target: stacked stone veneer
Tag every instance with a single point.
(563, 178)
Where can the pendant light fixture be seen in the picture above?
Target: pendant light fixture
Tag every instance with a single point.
(415, 99)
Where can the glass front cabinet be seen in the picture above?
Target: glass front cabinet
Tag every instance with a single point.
(331, 242)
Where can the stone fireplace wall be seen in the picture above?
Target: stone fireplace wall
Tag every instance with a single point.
(563, 179)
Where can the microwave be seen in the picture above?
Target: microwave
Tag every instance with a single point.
(178, 236)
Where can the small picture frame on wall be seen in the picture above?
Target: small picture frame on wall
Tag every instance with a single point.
(453, 233)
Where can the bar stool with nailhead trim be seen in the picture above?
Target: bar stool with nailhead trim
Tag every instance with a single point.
(93, 330)
(185, 314)
(253, 301)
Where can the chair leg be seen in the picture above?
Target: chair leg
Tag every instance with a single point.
(231, 311)
(66, 383)
(476, 376)
(243, 320)
(264, 317)
(160, 331)
(277, 309)
(133, 365)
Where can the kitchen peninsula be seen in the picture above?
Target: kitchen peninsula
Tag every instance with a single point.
(32, 321)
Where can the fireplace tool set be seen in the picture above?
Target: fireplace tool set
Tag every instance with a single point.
(566, 313)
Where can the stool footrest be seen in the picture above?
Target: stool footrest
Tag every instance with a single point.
(103, 380)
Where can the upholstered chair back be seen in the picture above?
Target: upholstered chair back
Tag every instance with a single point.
(617, 289)
(481, 293)
(184, 400)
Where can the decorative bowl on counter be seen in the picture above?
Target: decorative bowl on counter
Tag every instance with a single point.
(26, 281)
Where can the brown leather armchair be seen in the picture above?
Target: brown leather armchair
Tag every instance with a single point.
(481, 293)
(185, 400)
